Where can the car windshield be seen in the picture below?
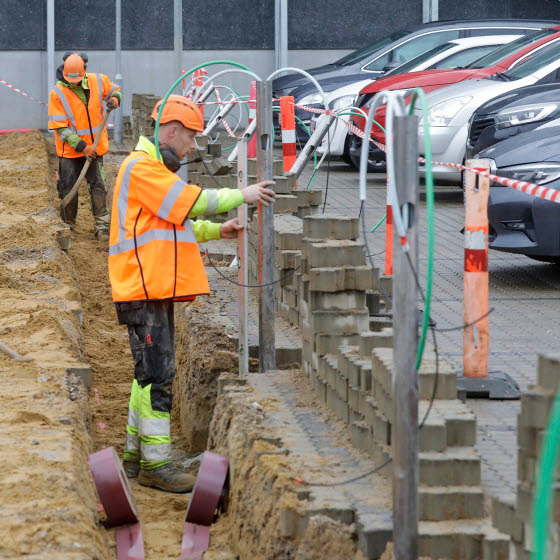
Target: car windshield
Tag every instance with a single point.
(358, 55)
(511, 48)
(420, 59)
(533, 63)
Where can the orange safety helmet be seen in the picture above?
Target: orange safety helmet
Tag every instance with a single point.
(74, 69)
(179, 108)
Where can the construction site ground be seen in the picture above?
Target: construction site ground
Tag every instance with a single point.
(64, 317)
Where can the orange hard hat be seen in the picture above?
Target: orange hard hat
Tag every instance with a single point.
(179, 108)
(74, 69)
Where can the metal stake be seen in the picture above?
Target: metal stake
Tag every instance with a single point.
(177, 37)
(281, 33)
(267, 343)
(51, 78)
(249, 131)
(313, 143)
(118, 114)
(218, 118)
(405, 325)
(243, 275)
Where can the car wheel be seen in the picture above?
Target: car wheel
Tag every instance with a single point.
(346, 152)
(374, 165)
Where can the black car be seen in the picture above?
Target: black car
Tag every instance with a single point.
(519, 222)
(515, 112)
(390, 52)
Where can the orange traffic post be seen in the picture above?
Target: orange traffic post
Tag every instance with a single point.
(288, 126)
(389, 237)
(198, 83)
(476, 380)
(252, 145)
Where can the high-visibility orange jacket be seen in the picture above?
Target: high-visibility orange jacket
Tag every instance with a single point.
(153, 249)
(67, 110)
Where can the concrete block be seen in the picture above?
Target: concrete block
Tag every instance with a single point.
(348, 299)
(307, 198)
(339, 322)
(378, 324)
(285, 203)
(370, 411)
(446, 503)
(374, 530)
(373, 302)
(354, 399)
(329, 226)
(504, 517)
(548, 371)
(370, 340)
(461, 429)
(201, 140)
(336, 253)
(219, 166)
(304, 211)
(433, 435)
(495, 546)
(215, 150)
(277, 167)
(288, 233)
(455, 467)
(536, 403)
(83, 372)
(325, 343)
(359, 434)
(365, 377)
(285, 259)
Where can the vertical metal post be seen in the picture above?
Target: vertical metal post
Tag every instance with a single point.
(430, 10)
(405, 326)
(243, 275)
(281, 33)
(118, 114)
(177, 37)
(267, 343)
(51, 78)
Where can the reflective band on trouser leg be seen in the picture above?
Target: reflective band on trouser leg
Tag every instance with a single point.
(155, 433)
(288, 125)
(252, 144)
(389, 241)
(475, 278)
(131, 448)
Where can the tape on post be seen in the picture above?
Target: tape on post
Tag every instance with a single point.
(118, 502)
(205, 498)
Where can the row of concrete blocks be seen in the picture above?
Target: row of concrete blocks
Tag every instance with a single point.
(512, 514)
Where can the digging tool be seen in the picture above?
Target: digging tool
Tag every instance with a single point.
(66, 200)
(4, 348)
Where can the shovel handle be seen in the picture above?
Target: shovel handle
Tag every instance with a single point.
(66, 200)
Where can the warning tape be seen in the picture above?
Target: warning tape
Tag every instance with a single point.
(538, 191)
(7, 84)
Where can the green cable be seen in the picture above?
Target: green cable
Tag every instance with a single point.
(419, 94)
(176, 83)
(378, 223)
(544, 490)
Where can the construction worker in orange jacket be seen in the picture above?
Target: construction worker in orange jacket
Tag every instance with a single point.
(154, 260)
(75, 114)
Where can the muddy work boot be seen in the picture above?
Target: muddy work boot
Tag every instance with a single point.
(167, 477)
(102, 234)
(131, 468)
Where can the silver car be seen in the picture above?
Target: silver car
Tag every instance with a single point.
(451, 107)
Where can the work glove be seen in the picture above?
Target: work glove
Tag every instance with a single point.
(112, 103)
(89, 152)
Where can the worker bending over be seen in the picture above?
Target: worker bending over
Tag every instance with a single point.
(154, 260)
(75, 114)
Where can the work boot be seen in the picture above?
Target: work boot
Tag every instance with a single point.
(131, 468)
(167, 477)
(102, 234)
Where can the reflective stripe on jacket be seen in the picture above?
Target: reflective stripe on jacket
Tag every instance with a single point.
(153, 253)
(66, 109)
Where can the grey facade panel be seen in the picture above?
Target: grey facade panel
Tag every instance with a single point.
(23, 25)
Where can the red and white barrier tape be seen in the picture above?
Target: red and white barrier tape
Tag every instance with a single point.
(21, 92)
(528, 188)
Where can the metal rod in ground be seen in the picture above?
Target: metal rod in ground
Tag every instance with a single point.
(243, 275)
(177, 38)
(323, 125)
(405, 325)
(267, 339)
(118, 115)
(249, 131)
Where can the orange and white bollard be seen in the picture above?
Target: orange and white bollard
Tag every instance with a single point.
(389, 238)
(252, 145)
(476, 380)
(288, 126)
(198, 83)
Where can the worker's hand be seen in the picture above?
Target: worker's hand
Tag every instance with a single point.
(112, 103)
(231, 228)
(258, 192)
(89, 152)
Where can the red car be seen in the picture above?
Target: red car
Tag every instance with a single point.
(499, 60)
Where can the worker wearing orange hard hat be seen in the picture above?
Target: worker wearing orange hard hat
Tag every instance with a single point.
(76, 112)
(154, 261)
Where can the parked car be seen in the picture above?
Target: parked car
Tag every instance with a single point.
(498, 61)
(399, 47)
(519, 222)
(513, 113)
(458, 52)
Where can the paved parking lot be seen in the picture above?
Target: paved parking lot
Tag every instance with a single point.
(524, 293)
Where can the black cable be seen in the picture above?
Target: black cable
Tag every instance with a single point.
(328, 156)
(195, 160)
(208, 171)
(467, 325)
(249, 285)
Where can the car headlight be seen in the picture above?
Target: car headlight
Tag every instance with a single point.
(524, 114)
(311, 99)
(538, 173)
(443, 113)
(343, 102)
